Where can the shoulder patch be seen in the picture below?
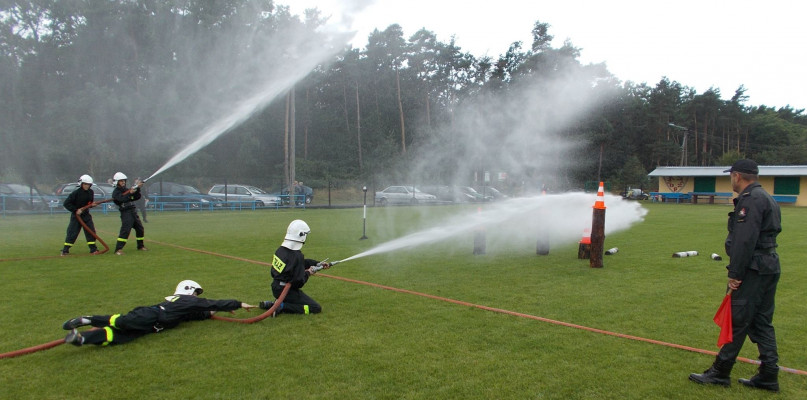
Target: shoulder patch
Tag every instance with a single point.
(278, 264)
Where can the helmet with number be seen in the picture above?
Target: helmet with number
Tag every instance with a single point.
(119, 176)
(188, 287)
(296, 234)
(85, 179)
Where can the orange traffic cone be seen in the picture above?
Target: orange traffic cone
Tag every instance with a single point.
(600, 202)
(584, 249)
(586, 236)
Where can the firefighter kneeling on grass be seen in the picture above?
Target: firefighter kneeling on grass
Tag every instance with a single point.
(290, 267)
(125, 199)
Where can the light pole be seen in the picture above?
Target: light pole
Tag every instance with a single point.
(683, 143)
(364, 219)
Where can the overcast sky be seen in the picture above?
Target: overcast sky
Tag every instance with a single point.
(699, 43)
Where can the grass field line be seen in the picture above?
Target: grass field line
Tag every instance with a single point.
(487, 308)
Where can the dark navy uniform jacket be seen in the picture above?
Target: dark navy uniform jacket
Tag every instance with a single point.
(125, 201)
(753, 227)
(77, 199)
(289, 266)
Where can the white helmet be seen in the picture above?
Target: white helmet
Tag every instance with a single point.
(296, 234)
(188, 287)
(85, 179)
(119, 176)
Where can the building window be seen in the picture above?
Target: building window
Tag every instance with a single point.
(786, 185)
(705, 184)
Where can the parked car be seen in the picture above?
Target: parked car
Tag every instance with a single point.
(467, 194)
(178, 195)
(402, 195)
(635, 194)
(304, 190)
(492, 192)
(244, 193)
(440, 192)
(456, 194)
(20, 197)
(99, 193)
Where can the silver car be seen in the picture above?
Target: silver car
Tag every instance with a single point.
(402, 195)
(244, 194)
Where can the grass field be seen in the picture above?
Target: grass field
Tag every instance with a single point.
(372, 343)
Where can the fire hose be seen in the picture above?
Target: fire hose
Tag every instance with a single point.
(87, 228)
(261, 317)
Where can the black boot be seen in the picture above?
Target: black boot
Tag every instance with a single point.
(767, 378)
(718, 374)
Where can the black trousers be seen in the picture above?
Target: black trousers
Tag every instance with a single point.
(296, 302)
(752, 307)
(119, 329)
(129, 220)
(74, 227)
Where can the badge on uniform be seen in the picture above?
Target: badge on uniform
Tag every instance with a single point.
(742, 213)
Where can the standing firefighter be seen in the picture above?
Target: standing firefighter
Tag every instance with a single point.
(125, 199)
(290, 267)
(753, 273)
(183, 305)
(74, 202)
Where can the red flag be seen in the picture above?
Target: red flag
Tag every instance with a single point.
(723, 320)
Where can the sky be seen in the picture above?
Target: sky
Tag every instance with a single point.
(699, 43)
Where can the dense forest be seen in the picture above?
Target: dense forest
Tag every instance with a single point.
(242, 90)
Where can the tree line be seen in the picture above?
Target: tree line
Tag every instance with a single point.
(97, 86)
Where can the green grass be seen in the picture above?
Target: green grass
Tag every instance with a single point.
(371, 343)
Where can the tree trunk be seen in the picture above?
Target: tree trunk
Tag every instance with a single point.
(307, 122)
(358, 126)
(292, 141)
(286, 143)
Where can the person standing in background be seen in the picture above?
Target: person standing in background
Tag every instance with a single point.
(142, 202)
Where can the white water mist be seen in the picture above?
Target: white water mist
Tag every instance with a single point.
(563, 217)
(274, 65)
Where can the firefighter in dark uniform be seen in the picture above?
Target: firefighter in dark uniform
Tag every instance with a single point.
(125, 199)
(290, 267)
(77, 199)
(753, 273)
(183, 305)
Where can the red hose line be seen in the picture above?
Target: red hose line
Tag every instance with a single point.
(261, 317)
(32, 349)
(87, 229)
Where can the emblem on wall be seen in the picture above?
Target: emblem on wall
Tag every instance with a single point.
(675, 183)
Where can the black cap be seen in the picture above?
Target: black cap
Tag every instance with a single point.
(745, 166)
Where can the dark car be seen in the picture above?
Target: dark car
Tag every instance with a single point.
(20, 197)
(635, 194)
(491, 192)
(177, 195)
(468, 194)
(300, 190)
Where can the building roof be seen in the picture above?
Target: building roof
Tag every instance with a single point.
(764, 170)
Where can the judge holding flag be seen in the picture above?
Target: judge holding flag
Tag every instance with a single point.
(753, 273)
